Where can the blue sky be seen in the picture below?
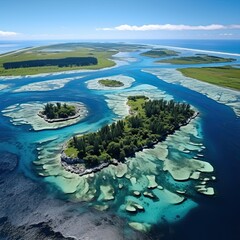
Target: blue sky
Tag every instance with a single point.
(122, 19)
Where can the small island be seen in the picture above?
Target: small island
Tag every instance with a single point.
(197, 59)
(110, 83)
(59, 112)
(149, 122)
(160, 52)
(225, 76)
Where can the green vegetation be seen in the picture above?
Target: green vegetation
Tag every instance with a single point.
(149, 122)
(225, 76)
(198, 59)
(111, 83)
(161, 52)
(52, 111)
(61, 62)
(56, 52)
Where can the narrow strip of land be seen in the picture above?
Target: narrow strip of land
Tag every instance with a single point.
(197, 59)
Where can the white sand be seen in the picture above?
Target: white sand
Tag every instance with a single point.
(127, 81)
(27, 113)
(46, 85)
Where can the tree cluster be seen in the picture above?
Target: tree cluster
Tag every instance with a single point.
(58, 110)
(148, 125)
(61, 62)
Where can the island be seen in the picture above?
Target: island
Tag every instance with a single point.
(225, 76)
(197, 59)
(59, 112)
(160, 52)
(110, 83)
(148, 123)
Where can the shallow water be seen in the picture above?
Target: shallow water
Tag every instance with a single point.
(215, 135)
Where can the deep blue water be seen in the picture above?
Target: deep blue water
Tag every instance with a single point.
(216, 217)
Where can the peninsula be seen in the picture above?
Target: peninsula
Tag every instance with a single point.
(197, 59)
(61, 57)
(149, 122)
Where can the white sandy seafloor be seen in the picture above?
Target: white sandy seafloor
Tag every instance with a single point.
(222, 95)
(94, 83)
(146, 189)
(27, 113)
(46, 85)
(3, 86)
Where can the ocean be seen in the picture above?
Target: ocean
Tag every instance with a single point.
(218, 129)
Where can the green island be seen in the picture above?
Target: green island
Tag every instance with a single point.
(225, 76)
(57, 112)
(61, 57)
(110, 83)
(161, 52)
(197, 59)
(149, 122)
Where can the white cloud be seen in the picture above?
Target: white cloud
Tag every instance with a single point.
(169, 27)
(7, 34)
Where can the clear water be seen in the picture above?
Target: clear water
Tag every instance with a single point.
(218, 130)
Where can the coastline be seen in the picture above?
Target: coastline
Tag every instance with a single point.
(78, 114)
(68, 163)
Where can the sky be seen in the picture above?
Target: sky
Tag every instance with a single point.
(119, 19)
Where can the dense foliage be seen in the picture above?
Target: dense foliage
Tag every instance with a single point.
(161, 52)
(111, 83)
(150, 121)
(61, 62)
(52, 111)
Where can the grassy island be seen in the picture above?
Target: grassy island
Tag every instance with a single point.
(56, 58)
(161, 52)
(110, 83)
(149, 122)
(58, 111)
(225, 76)
(197, 59)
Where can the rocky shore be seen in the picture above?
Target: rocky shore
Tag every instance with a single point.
(70, 164)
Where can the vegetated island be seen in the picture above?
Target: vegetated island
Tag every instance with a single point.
(111, 83)
(225, 76)
(59, 112)
(61, 57)
(161, 52)
(197, 59)
(149, 122)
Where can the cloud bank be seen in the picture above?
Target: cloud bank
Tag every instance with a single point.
(7, 34)
(169, 27)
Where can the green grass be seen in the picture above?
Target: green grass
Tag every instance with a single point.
(55, 52)
(226, 76)
(162, 52)
(71, 152)
(110, 83)
(198, 59)
(136, 105)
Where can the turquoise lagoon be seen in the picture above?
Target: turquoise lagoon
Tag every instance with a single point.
(165, 181)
